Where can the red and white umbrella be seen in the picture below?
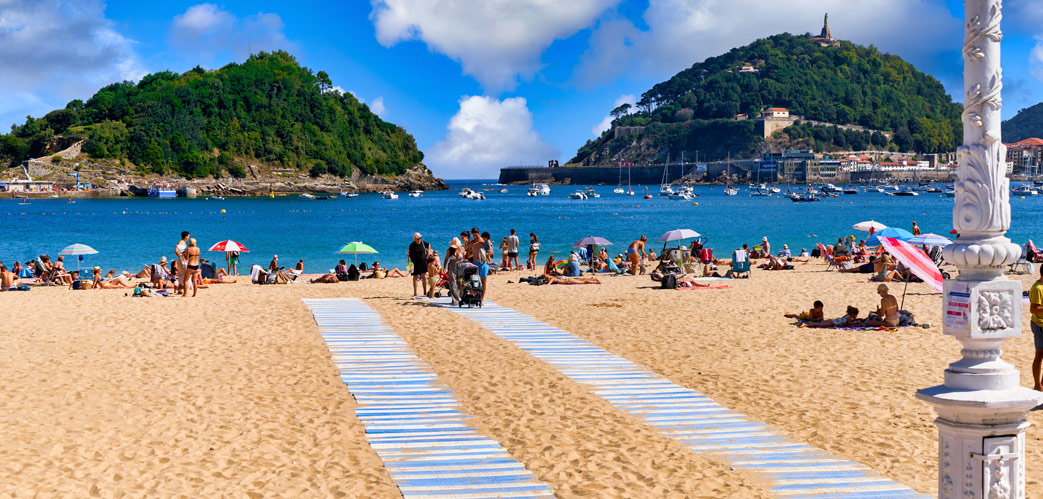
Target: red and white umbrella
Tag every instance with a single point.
(229, 245)
(917, 261)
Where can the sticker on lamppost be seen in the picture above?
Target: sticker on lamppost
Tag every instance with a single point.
(957, 306)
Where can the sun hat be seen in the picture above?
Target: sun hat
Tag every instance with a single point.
(162, 259)
(785, 246)
(416, 235)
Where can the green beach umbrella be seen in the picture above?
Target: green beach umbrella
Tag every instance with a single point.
(357, 248)
(78, 250)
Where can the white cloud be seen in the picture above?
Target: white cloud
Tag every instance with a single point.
(606, 123)
(682, 32)
(205, 31)
(485, 135)
(54, 51)
(496, 41)
(378, 107)
(1036, 59)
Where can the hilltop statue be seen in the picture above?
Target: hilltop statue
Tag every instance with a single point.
(825, 38)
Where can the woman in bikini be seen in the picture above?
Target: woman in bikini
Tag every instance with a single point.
(193, 275)
(888, 311)
(551, 279)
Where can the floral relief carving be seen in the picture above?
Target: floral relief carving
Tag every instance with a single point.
(976, 31)
(977, 98)
(982, 196)
(995, 310)
(1000, 485)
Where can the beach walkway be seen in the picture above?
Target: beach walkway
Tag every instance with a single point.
(412, 421)
(793, 469)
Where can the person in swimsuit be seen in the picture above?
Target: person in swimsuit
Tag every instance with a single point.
(192, 267)
(848, 320)
(182, 261)
(888, 309)
(434, 272)
(534, 250)
(113, 283)
(7, 279)
(813, 315)
(635, 252)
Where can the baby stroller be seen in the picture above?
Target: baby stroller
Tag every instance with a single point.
(470, 286)
(444, 283)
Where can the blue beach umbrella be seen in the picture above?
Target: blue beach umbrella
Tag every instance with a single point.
(930, 240)
(892, 232)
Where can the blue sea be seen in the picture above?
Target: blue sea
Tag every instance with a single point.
(132, 232)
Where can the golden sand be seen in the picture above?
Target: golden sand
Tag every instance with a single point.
(233, 393)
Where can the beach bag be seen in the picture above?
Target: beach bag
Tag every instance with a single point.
(669, 281)
(281, 278)
(342, 276)
(22, 287)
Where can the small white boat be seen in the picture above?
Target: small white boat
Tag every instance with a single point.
(578, 195)
(832, 189)
(665, 190)
(680, 196)
(907, 192)
(350, 194)
(618, 190)
(466, 192)
(539, 190)
(307, 196)
(388, 195)
(731, 191)
(774, 190)
(1024, 190)
(416, 194)
(950, 192)
(217, 198)
(503, 190)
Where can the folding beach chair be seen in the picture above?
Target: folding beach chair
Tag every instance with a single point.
(1033, 254)
(827, 256)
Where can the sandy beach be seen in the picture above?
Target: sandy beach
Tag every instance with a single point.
(233, 393)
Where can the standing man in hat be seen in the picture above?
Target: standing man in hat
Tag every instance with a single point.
(418, 251)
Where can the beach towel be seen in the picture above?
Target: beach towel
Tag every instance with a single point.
(706, 287)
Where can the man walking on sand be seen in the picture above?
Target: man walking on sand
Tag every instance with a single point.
(512, 251)
(418, 251)
(1036, 309)
(182, 262)
(635, 253)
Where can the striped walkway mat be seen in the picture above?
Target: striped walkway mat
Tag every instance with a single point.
(792, 469)
(412, 420)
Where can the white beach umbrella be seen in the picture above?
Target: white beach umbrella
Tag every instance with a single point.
(869, 225)
(678, 234)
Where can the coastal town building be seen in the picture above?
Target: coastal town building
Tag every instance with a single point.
(1025, 157)
(27, 186)
(825, 38)
(774, 119)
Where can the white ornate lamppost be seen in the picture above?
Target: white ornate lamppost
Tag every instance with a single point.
(982, 405)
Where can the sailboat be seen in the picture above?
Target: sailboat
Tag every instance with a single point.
(728, 189)
(630, 192)
(664, 187)
(619, 183)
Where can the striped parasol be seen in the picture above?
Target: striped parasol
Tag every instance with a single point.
(930, 240)
(917, 261)
(78, 250)
(229, 245)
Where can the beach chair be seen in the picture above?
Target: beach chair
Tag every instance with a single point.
(740, 267)
(827, 256)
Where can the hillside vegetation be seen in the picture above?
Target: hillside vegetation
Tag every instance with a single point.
(845, 85)
(200, 123)
(1028, 123)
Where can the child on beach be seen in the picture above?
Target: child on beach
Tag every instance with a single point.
(433, 272)
(814, 315)
(848, 320)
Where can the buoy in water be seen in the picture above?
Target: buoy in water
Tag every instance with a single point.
(222, 211)
(1022, 197)
(695, 204)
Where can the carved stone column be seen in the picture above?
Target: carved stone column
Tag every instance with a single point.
(981, 406)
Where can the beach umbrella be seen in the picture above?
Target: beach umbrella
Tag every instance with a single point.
(891, 232)
(597, 241)
(930, 240)
(78, 250)
(869, 226)
(917, 261)
(229, 245)
(357, 248)
(678, 234)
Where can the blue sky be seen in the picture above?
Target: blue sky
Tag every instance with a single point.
(480, 83)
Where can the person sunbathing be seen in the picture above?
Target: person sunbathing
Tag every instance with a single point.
(325, 279)
(888, 309)
(690, 282)
(552, 279)
(848, 320)
(550, 268)
(814, 315)
(775, 263)
(118, 282)
(865, 268)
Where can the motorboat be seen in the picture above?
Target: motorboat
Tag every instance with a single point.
(831, 189)
(618, 190)
(665, 190)
(578, 195)
(539, 190)
(908, 191)
(503, 190)
(850, 191)
(731, 191)
(307, 196)
(807, 198)
(592, 194)
(680, 196)
(416, 194)
(648, 196)
(760, 192)
(350, 194)
(388, 195)
(774, 190)
(876, 189)
(466, 192)
(1024, 190)
(950, 192)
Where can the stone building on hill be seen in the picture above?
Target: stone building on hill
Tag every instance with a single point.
(825, 38)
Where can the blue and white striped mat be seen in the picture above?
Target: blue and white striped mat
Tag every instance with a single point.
(412, 420)
(792, 468)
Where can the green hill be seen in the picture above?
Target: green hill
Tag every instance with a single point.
(268, 109)
(1026, 124)
(843, 85)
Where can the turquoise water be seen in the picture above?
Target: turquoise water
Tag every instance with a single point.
(132, 232)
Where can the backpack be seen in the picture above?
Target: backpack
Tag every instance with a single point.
(669, 281)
